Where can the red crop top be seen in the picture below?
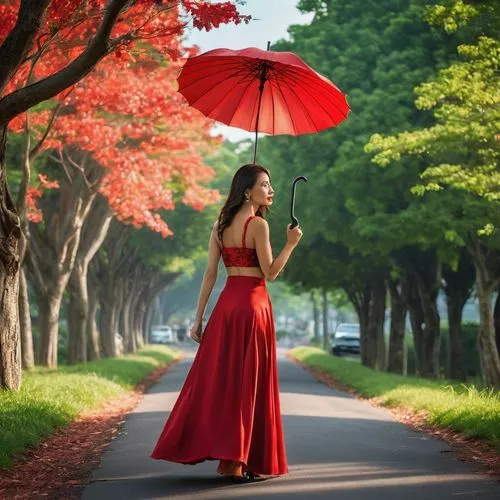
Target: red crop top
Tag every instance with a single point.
(240, 256)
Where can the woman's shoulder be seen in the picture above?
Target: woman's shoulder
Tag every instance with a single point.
(259, 222)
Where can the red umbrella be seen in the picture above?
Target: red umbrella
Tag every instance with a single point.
(262, 91)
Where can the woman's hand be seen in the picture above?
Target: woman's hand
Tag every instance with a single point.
(293, 235)
(195, 332)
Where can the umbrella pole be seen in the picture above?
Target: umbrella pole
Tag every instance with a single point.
(261, 91)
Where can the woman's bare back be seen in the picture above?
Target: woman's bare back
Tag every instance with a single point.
(232, 237)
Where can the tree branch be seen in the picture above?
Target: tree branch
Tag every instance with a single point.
(27, 97)
(48, 128)
(18, 42)
(23, 188)
(95, 229)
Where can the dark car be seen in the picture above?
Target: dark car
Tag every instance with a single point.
(346, 339)
(182, 333)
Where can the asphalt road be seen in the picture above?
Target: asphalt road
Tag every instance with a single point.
(337, 446)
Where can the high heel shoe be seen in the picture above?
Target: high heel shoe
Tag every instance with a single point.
(247, 477)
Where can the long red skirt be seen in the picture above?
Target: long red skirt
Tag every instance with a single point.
(229, 408)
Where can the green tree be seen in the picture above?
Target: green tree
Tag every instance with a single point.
(377, 53)
(461, 151)
(463, 145)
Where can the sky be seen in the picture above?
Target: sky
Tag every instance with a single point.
(270, 23)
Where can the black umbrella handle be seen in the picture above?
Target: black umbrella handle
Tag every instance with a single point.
(295, 221)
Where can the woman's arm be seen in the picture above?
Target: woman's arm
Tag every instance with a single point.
(271, 268)
(207, 285)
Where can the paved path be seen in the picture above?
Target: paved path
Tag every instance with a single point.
(338, 448)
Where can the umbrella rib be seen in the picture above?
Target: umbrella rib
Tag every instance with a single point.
(298, 77)
(218, 83)
(299, 83)
(305, 109)
(272, 100)
(285, 101)
(240, 66)
(305, 90)
(236, 73)
(239, 101)
(245, 73)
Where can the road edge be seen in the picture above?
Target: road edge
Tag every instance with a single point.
(62, 465)
(467, 449)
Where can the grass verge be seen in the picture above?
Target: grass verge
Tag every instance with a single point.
(461, 407)
(50, 399)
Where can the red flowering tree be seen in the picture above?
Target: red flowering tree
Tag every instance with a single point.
(144, 146)
(69, 37)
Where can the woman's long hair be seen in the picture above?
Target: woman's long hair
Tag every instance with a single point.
(244, 178)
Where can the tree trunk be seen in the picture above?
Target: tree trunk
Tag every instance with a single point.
(490, 362)
(109, 320)
(128, 336)
(49, 308)
(496, 320)
(316, 317)
(423, 270)
(138, 321)
(49, 295)
(147, 322)
(28, 357)
(141, 312)
(92, 335)
(95, 285)
(360, 298)
(375, 342)
(135, 294)
(78, 313)
(458, 285)
(397, 351)
(430, 365)
(324, 297)
(160, 317)
(454, 361)
(417, 326)
(82, 328)
(454, 358)
(10, 233)
(94, 231)
(55, 245)
(485, 284)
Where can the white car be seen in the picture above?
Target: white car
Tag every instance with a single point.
(346, 339)
(162, 335)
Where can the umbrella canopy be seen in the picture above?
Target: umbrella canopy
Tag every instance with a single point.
(262, 91)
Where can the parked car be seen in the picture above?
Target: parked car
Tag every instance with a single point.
(182, 333)
(162, 334)
(346, 339)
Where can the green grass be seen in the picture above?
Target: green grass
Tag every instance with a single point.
(49, 399)
(461, 407)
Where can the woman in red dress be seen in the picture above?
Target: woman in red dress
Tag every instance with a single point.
(228, 408)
